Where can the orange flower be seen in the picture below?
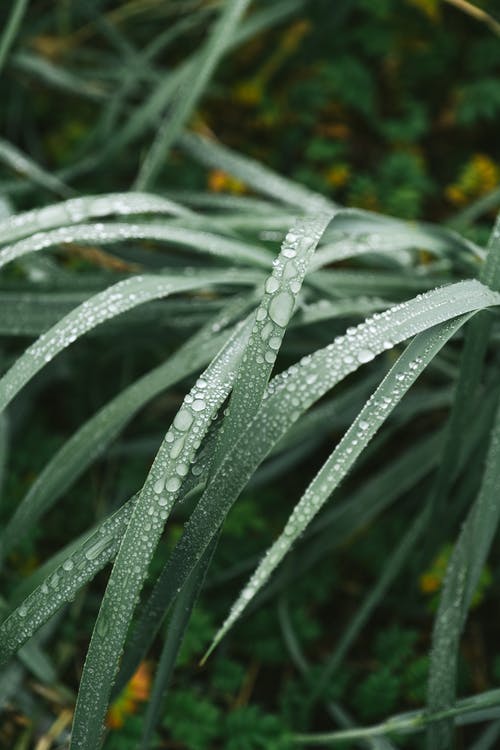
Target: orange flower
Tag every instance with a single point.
(136, 691)
(219, 181)
(338, 130)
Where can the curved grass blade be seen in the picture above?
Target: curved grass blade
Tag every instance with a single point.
(58, 588)
(191, 89)
(289, 395)
(467, 710)
(86, 557)
(477, 338)
(173, 642)
(108, 304)
(265, 181)
(4, 448)
(253, 174)
(271, 319)
(59, 77)
(92, 439)
(377, 409)
(156, 499)
(204, 242)
(24, 165)
(12, 26)
(94, 436)
(442, 675)
(76, 210)
(461, 580)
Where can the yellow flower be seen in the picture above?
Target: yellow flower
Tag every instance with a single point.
(478, 177)
(455, 195)
(337, 175)
(429, 583)
(219, 181)
(136, 691)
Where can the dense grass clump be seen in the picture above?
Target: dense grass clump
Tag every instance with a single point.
(203, 388)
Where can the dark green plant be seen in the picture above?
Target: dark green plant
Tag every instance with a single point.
(243, 312)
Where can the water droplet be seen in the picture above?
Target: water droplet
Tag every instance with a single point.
(275, 342)
(158, 486)
(198, 405)
(261, 314)
(365, 355)
(183, 420)
(281, 308)
(175, 452)
(272, 285)
(173, 484)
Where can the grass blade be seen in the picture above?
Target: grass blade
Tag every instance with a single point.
(467, 710)
(191, 89)
(76, 210)
(253, 174)
(12, 26)
(58, 588)
(123, 296)
(173, 642)
(212, 244)
(462, 576)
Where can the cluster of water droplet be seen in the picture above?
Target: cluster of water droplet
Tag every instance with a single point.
(105, 233)
(282, 288)
(76, 210)
(62, 584)
(103, 306)
(123, 296)
(344, 245)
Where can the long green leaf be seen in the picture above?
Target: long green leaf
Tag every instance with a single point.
(191, 89)
(461, 580)
(117, 299)
(77, 210)
(237, 252)
(17, 12)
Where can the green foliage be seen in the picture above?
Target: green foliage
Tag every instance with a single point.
(192, 720)
(204, 358)
(377, 695)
